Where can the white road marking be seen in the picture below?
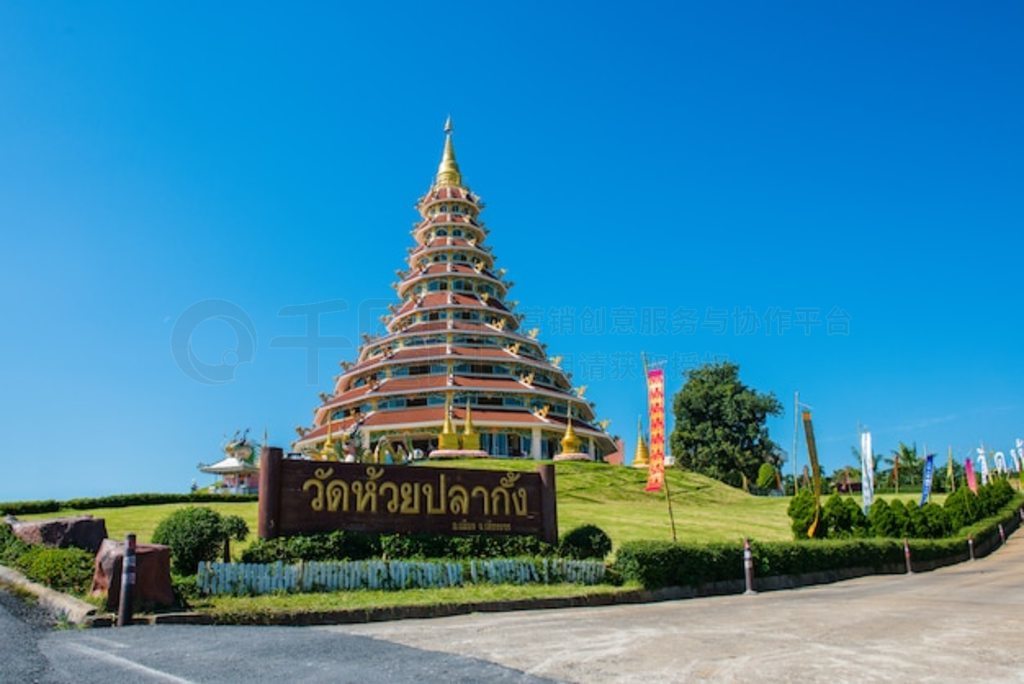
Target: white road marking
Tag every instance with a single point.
(127, 664)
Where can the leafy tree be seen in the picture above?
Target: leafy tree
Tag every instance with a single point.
(720, 428)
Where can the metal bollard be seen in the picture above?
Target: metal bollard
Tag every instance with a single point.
(1002, 534)
(748, 567)
(970, 545)
(124, 605)
(906, 556)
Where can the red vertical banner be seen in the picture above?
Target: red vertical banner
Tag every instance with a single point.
(656, 411)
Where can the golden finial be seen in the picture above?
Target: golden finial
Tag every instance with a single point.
(448, 170)
(641, 455)
(327, 452)
(448, 440)
(570, 442)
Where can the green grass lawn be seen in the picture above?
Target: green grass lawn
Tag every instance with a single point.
(611, 497)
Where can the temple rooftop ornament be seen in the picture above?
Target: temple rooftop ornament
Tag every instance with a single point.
(453, 354)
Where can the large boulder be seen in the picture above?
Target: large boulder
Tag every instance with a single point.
(152, 575)
(83, 531)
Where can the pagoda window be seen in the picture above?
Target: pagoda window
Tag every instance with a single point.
(481, 368)
(500, 445)
(462, 368)
(359, 382)
(462, 286)
(365, 408)
(441, 232)
(489, 401)
(416, 401)
(435, 400)
(436, 285)
(514, 401)
(444, 208)
(440, 257)
(433, 316)
(460, 257)
(419, 370)
(338, 415)
(401, 371)
(439, 369)
(457, 232)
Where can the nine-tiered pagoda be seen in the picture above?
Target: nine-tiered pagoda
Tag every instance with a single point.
(454, 375)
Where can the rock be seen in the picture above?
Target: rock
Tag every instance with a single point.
(83, 531)
(152, 575)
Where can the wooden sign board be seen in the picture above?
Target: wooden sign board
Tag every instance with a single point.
(300, 496)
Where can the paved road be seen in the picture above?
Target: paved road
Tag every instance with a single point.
(964, 623)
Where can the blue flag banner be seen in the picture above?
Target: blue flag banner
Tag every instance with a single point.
(926, 486)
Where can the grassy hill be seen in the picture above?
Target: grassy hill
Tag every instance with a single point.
(611, 497)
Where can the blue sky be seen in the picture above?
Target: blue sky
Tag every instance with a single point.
(828, 194)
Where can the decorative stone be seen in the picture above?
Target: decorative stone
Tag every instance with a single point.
(152, 575)
(83, 531)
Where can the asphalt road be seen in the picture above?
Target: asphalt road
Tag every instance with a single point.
(964, 623)
(958, 624)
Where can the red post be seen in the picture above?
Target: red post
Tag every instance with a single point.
(906, 555)
(548, 504)
(270, 492)
(748, 567)
(1002, 534)
(124, 605)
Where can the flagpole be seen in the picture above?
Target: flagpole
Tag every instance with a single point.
(796, 437)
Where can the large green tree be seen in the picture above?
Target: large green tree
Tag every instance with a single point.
(720, 425)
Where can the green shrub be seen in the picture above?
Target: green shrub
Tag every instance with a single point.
(766, 476)
(197, 534)
(11, 548)
(961, 508)
(801, 512)
(904, 526)
(842, 518)
(62, 569)
(585, 541)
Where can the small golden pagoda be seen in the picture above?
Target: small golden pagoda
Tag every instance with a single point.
(640, 458)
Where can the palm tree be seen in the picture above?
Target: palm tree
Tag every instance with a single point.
(905, 465)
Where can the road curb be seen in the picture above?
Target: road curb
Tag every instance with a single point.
(60, 605)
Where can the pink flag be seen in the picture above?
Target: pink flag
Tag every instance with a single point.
(972, 481)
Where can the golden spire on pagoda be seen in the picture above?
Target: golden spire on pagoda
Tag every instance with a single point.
(327, 452)
(448, 439)
(641, 455)
(470, 438)
(570, 442)
(448, 170)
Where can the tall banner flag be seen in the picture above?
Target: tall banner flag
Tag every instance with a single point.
(656, 409)
(812, 452)
(972, 480)
(1000, 462)
(983, 466)
(926, 482)
(867, 471)
(950, 473)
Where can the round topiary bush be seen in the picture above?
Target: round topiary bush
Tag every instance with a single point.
(586, 541)
(197, 534)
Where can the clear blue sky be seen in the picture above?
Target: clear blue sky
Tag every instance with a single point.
(693, 173)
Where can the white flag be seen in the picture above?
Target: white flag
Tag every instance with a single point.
(983, 466)
(867, 471)
(1000, 462)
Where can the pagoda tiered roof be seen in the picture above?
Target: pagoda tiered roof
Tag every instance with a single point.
(453, 334)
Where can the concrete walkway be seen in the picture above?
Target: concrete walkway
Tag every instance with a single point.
(962, 623)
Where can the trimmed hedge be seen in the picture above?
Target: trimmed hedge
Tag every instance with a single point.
(346, 545)
(118, 501)
(664, 564)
